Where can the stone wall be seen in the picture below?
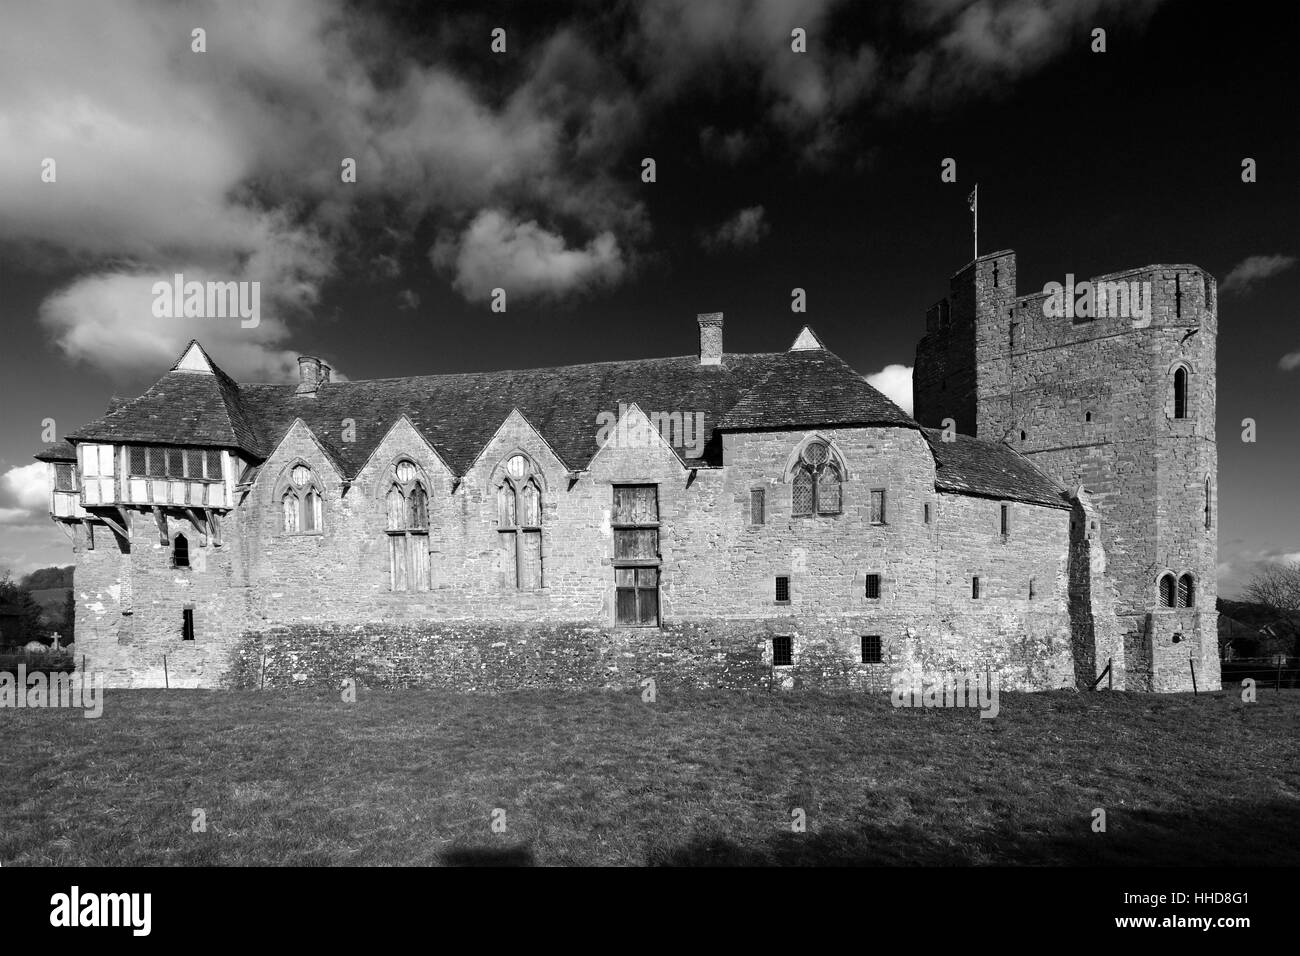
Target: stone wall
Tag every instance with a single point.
(1090, 402)
(313, 600)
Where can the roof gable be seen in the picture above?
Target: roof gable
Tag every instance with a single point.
(812, 388)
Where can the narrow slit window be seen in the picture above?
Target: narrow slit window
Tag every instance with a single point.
(187, 624)
(782, 589)
(872, 588)
(1180, 393)
(926, 512)
(782, 651)
(757, 506)
(1004, 520)
(975, 588)
(878, 506)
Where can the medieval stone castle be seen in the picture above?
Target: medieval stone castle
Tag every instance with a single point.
(750, 520)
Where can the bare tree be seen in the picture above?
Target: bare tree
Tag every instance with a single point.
(1276, 585)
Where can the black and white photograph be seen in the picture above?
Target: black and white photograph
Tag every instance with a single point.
(650, 434)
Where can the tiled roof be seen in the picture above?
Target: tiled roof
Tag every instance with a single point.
(459, 414)
(809, 388)
(181, 408)
(59, 451)
(990, 469)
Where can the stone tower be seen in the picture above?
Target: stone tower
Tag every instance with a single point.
(1107, 385)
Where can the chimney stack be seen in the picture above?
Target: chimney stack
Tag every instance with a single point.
(309, 374)
(710, 338)
(324, 374)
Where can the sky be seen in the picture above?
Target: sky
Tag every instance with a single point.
(523, 169)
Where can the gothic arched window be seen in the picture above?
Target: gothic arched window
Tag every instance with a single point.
(300, 502)
(1186, 591)
(180, 552)
(1167, 590)
(817, 481)
(519, 521)
(1180, 392)
(406, 509)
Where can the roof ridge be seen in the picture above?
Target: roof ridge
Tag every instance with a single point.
(510, 371)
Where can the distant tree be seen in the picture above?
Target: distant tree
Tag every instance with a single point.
(44, 578)
(28, 620)
(1276, 585)
(69, 617)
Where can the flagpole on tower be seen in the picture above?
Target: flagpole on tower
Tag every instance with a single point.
(974, 200)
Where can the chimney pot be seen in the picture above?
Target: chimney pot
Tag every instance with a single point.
(308, 374)
(710, 338)
(324, 374)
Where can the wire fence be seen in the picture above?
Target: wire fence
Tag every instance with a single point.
(1276, 671)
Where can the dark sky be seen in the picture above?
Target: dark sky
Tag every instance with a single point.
(1087, 163)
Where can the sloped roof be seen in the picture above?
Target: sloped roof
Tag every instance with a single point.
(58, 451)
(988, 469)
(812, 387)
(459, 414)
(181, 408)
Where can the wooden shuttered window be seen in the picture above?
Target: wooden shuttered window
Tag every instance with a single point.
(635, 521)
(406, 515)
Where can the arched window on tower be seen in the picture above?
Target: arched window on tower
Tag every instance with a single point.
(180, 552)
(406, 508)
(1209, 505)
(1167, 589)
(818, 482)
(519, 521)
(1186, 591)
(1180, 392)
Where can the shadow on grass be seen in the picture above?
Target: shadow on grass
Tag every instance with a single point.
(520, 855)
(1247, 834)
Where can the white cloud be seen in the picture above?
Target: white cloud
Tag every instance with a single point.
(526, 260)
(107, 320)
(1289, 362)
(895, 381)
(745, 228)
(27, 485)
(1253, 269)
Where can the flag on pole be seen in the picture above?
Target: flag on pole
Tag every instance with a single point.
(973, 198)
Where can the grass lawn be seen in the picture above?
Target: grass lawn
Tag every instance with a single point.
(413, 777)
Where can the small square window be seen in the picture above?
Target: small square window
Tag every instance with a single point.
(872, 652)
(872, 589)
(757, 506)
(782, 651)
(782, 589)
